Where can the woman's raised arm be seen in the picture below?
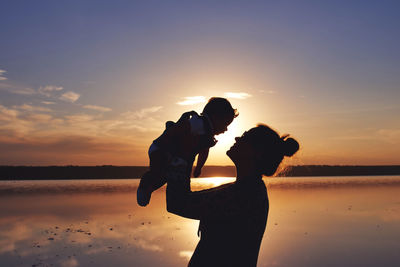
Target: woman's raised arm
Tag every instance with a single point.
(210, 203)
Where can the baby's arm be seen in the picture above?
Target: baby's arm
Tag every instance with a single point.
(201, 159)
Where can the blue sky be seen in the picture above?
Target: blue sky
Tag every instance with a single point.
(98, 79)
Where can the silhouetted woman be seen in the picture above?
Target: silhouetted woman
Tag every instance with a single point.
(233, 216)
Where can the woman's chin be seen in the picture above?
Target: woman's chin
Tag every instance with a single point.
(230, 152)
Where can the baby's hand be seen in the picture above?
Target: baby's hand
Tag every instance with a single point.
(196, 172)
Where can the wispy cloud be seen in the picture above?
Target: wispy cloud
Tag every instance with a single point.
(48, 89)
(79, 118)
(70, 96)
(354, 137)
(7, 114)
(24, 91)
(28, 129)
(267, 91)
(191, 100)
(390, 135)
(30, 122)
(362, 110)
(237, 95)
(142, 113)
(15, 89)
(40, 118)
(48, 102)
(28, 107)
(98, 108)
(2, 78)
(384, 135)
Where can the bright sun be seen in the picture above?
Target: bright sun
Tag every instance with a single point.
(227, 139)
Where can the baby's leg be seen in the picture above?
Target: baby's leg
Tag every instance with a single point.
(154, 178)
(158, 166)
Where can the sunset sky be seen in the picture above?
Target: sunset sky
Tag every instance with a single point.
(93, 82)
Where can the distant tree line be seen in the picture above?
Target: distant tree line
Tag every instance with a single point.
(339, 170)
(130, 172)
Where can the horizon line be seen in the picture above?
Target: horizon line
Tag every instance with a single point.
(110, 165)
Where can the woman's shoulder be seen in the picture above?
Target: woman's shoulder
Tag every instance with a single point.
(252, 193)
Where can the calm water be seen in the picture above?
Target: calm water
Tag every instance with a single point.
(312, 222)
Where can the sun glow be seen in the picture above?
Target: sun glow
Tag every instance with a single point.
(225, 141)
(228, 138)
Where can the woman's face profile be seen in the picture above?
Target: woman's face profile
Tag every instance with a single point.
(242, 148)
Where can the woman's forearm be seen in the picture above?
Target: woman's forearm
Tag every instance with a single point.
(178, 199)
(210, 203)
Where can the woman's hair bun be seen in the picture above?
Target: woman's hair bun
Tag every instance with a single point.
(290, 146)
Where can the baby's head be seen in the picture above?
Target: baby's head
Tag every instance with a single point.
(221, 114)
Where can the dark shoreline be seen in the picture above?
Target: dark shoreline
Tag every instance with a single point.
(130, 172)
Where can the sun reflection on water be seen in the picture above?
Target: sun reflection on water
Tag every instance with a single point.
(211, 182)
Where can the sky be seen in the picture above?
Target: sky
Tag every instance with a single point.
(93, 82)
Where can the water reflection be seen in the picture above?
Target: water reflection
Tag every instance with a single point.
(312, 222)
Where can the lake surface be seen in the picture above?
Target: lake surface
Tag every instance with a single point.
(337, 221)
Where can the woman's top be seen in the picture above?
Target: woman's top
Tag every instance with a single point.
(232, 220)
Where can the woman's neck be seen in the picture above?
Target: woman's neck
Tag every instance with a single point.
(245, 171)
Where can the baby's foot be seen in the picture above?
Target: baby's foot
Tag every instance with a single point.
(144, 191)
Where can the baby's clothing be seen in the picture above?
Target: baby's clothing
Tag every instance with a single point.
(198, 124)
(188, 145)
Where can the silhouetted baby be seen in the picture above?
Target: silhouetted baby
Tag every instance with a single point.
(192, 134)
